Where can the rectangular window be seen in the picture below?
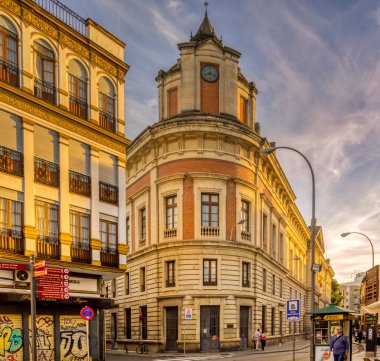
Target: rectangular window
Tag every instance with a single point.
(209, 272)
(264, 318)
(245, 231)
(210, 210)
(172, 102)
(80, 230)
(244, 110)
(171, 212)
(11, 235)
(264, 280)
(245, 275)
(273, 284)
(281, 322)
(47, 221)
(126, 283)
(142, 279)
(265, 231)
(170, 273)
(142, 224)
(128, 324)
(128, 229)
(281, 248)
(113, 288)
(108, 236)
(273, 319)
(281, 287)
(274, 240)
(144, 322)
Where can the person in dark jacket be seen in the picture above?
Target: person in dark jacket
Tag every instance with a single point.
(339, 345)
(360, 336)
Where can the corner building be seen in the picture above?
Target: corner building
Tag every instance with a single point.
(62, 173)
(211, 225)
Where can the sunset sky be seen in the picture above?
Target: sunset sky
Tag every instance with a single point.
(316, 65)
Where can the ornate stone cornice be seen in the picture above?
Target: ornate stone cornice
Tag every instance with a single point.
(29, 103)
(122, 248)
(65, 239)
(95, 244)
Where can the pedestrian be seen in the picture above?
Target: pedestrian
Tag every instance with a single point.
(256, 338)
(339, 345)
(263, 339)
(360, 336)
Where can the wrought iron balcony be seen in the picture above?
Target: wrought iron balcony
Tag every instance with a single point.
(63, 13)
(11, 161)
(11, 241)
(245, 236)
(46, 172)
(109, 257)
(78, 107)
(107, 121)
(44, 90)
(108, 193)
(81, 252)
(80, 183)
(9, 73)
(48, 247)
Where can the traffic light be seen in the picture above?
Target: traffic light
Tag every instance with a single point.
(370, 317)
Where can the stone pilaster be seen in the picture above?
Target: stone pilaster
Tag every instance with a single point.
(122, 227)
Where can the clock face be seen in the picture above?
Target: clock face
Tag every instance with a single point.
(210, 73)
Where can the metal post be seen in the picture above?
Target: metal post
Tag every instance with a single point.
(184, 340)
(294, 341)
(33, 310)
(88, 339)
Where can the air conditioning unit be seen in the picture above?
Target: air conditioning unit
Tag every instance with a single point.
(22, 276)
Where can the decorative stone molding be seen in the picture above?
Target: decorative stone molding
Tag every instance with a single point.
(30, 232)
(96, 245)
(65, 239)
(122, 248)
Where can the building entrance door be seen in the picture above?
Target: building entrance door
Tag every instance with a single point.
(113, 329)
(244, 328)
(210, 328)
(171, 328)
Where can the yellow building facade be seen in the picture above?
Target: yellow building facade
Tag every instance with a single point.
(62, 171)
(212, 226)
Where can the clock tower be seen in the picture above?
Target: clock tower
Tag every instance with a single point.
(206, 79)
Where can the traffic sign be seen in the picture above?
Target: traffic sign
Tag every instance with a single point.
(293, 310)
(53, 295)
(39, 265)
(13, 266)
(87, 313)
(188, 313)
(53, 282)
(53, 288)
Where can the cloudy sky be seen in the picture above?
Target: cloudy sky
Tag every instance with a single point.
(316, 65)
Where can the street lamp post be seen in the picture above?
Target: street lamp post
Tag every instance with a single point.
(345, 234)
(233, 227)
(313, 226)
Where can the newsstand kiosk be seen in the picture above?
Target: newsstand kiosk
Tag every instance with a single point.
(324, 323)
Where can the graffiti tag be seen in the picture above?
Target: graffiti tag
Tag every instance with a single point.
(74, 345)
(10, 340)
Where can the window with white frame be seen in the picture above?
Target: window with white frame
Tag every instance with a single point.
(210, 214)
(171, 216)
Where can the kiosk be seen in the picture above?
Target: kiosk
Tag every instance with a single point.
(324, 322)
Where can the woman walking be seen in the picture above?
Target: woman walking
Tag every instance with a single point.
(263, 339)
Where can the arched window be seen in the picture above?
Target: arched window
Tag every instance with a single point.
(107, 105)
(78, 89)
(44, 81)
(8, 52)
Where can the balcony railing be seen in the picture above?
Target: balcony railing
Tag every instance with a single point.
(210, 281)
(245, 236)
(107, 121)
(63, 13)
(210, 231)
(48, 247)
(245, 283)
(109, 257)
(45, 90)
(9, 73)
(170, 233)
(108, 193)
(11, 241)
(170, 282)
(78, 107)
(81, 252)
(80, 183)
(46, 172)
(11, 161)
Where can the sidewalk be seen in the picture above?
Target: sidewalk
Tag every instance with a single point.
(285, 347)
(360, 356)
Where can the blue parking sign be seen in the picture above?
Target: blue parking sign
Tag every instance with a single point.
(293, 310)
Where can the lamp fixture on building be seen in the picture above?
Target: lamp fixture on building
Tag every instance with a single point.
(233, 227)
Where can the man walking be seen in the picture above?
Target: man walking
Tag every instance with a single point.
(339, 345)
(256, 338)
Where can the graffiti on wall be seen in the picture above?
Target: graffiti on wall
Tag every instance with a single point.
(73, 331)
(11, 337)
(45, 337)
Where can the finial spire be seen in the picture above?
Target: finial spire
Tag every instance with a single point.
(206, 4)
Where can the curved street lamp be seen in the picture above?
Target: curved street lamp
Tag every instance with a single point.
(233, 227)
(345, 234)
(313, 227)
